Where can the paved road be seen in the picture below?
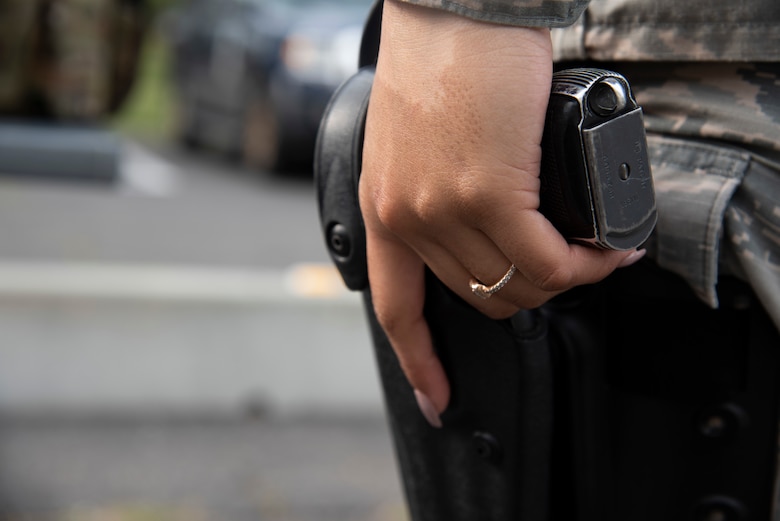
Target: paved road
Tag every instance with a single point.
(197, 470)
(78, 260)
(208, 281)
(168, 207)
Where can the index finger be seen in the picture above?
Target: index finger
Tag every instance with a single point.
(397, 278)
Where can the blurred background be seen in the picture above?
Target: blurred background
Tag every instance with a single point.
(174, 342)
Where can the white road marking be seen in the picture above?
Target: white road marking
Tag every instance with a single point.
(157, 282)
(144, 173)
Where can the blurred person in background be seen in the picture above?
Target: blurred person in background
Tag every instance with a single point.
(68, 60)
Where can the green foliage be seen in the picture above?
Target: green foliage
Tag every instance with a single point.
(158, 6)
(149, 111)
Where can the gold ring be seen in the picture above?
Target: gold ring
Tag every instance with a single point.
(485, 292)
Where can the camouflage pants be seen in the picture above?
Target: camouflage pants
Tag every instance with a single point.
(714, 140)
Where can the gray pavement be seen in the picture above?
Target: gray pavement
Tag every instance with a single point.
(124, 469)
(173, 347)
(167, 207)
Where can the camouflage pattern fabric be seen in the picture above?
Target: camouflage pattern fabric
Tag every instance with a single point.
(714, 139)
(657, 30)
(672, 30)
(532, 13)
(70, 59)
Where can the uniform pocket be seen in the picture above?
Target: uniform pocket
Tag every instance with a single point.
(694, 183)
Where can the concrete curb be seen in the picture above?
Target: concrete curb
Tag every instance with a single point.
(87, 339)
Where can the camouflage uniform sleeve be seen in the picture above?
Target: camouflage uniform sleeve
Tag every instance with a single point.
(529, 13)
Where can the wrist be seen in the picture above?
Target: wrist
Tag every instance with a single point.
(438, 36)
(427, 49)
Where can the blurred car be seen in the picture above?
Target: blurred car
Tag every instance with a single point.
(318, 53)
(253, 77)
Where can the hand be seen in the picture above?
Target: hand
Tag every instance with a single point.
(450, 180)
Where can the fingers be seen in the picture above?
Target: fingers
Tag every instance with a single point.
(547, 260)
(475, 256)
(553, 267)
(397, 278)
(397, 272)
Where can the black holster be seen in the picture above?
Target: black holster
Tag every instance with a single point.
(625, 400)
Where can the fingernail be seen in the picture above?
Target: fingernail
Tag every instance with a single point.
(632, 258)
(428, 410)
